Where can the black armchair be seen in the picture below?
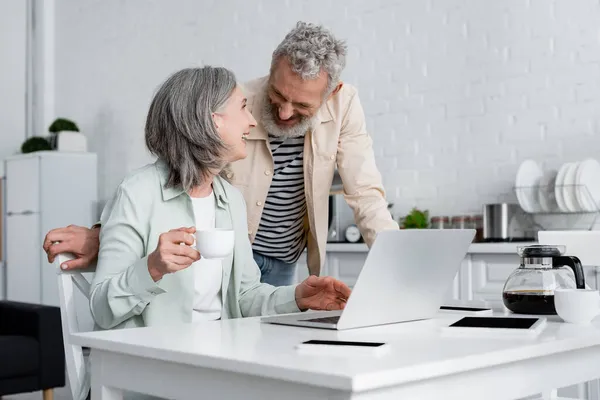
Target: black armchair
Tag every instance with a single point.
(31, 349)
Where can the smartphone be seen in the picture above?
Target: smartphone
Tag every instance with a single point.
(502, 325)
(465, 310)
(343, 348)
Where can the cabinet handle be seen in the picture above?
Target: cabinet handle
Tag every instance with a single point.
(26, 212)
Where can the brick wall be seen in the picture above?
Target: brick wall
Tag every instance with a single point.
(456, 92)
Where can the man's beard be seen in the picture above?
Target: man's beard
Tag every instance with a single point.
(299, 129)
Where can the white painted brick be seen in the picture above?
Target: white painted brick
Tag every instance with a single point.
(588, 53)
(387, 165)
(447, 176)
(526, 84)
(419, 192)
(531, 120)
(448, 86)
(416, 161)
(497, 155)
(485, 89)
(403, 177)
(484, 130)
(465, 108)
(550, 97)
(401, 147)
(426, 116)
(511, 69)
(508, 104)
(578, 113)
(577, 75)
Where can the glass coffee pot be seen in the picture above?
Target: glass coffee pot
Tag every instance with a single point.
(530, 288)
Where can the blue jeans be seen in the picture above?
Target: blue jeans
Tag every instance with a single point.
(275, 272)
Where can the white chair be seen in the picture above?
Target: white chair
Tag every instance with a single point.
(76, 317)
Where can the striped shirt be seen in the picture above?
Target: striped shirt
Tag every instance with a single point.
(281, 233)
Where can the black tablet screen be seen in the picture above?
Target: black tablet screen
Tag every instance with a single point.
(495, 322)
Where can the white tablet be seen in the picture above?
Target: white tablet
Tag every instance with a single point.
(504, 326)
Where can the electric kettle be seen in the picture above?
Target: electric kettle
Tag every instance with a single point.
(530, 288)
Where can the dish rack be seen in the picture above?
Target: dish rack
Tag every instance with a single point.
(559, 207)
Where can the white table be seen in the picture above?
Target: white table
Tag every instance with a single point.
(247, 359)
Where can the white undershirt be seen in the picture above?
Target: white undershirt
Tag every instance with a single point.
(208, 274)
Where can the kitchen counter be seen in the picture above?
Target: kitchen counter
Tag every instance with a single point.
(475, 248)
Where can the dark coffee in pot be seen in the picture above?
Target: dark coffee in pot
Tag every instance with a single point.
(529, 302)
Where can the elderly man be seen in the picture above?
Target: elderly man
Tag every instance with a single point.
(308, 122)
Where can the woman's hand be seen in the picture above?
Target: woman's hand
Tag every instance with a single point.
(173, 253)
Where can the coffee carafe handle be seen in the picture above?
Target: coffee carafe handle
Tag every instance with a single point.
(573, 263)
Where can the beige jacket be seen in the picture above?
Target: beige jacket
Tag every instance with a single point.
(341, 140)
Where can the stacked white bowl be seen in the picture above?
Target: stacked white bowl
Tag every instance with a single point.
(573, 188)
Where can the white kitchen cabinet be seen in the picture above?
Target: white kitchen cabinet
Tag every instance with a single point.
(22, 190)
(43, 190)
(23, 248)
(481, 277)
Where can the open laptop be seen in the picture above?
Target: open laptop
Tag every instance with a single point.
(406, 276)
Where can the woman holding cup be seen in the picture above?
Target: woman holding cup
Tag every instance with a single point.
(150, 271)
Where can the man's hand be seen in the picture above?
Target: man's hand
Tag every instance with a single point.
(322, 293)
(82, 242)
(173, 253)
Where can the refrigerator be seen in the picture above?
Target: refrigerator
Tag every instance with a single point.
(42, 191)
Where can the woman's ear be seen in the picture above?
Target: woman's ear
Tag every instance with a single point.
(217, 119)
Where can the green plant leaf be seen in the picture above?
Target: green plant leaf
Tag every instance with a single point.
(416, 219)
(63, 124)
(35, 143)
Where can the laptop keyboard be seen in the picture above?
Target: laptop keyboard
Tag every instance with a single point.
(326, 320)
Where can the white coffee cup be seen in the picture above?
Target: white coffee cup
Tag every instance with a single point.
(577, 306)
(215, 243)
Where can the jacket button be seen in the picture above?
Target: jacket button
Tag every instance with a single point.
(267, 172)
(332, 157)
(230, 175)
(249, 233)
(259, 203)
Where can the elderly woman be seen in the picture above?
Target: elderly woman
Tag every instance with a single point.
(148, 272)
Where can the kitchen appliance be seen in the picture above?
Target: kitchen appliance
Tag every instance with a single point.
(505, 222)
(341, 217)
(530, 288)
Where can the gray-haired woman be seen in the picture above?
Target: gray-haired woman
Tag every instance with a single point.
(195, 126)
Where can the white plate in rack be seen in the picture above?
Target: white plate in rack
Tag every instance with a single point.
(558, 187)
(588, 176)
(546, 194)
(528, 178)
(569, 190)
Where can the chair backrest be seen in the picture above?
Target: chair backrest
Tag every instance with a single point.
(76, 317)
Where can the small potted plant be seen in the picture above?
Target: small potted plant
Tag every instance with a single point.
(35, 143)
(65, 136)
(416, 219)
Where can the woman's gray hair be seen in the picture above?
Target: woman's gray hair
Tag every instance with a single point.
(180, 129)
(311, 48)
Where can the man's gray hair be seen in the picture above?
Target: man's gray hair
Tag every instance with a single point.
(180, 129)
(311, 48)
